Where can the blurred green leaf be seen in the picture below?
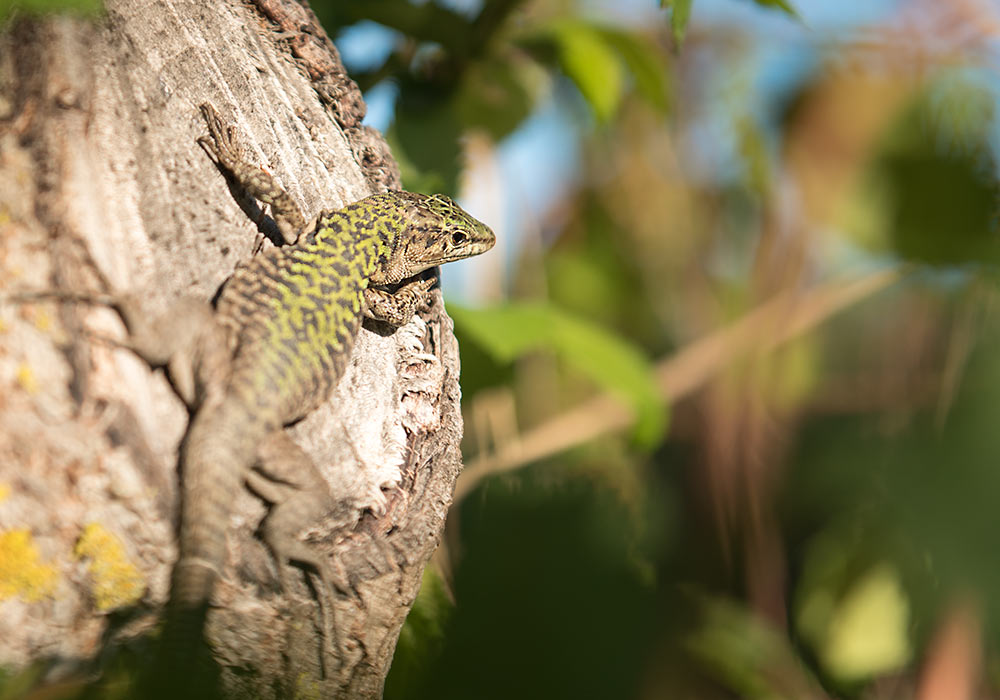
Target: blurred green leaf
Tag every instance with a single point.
(422, 636)
(780, 4)
(793, 373)
(752, 658)
(78, 7)
(938, 174)
(424, 140)
(644, 63)
(752, 147)
(867, 633)
(920, 499)
(851, 607)
(19, 683)
(497, 95)
(508, 332)
(425, 22)
(596, 57)
(551, 604)
(679, 15)
(587, 57)
(584, 282)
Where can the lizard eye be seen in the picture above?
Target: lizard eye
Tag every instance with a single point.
(458, 238)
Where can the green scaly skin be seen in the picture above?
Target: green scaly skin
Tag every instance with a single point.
(283, 331)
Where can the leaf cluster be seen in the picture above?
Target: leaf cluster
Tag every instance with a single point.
(488, 71)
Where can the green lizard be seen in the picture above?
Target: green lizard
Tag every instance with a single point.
(272, 350)
(280, 338)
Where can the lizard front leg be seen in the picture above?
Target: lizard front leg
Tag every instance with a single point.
(397, 308)
(222, 145)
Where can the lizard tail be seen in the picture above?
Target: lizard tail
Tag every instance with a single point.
(218, 449)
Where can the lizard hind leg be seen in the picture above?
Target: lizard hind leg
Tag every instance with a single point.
(184, 339)
(299, 497)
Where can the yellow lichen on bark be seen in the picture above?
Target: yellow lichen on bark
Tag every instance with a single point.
(21, 572)
(115, 581)
(26, 378)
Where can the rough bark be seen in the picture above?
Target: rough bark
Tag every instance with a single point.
(103, 187)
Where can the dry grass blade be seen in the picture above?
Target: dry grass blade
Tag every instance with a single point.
(771, 324)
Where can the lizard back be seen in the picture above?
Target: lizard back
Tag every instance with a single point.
(294, 312)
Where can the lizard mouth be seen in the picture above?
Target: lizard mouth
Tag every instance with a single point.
(468, 250)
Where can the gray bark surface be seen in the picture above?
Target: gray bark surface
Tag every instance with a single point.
(104, 188)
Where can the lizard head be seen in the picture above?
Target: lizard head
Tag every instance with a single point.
(440, 232)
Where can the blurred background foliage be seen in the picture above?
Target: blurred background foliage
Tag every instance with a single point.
(82, 8)
(730, 378)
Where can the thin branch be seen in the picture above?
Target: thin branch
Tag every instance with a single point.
(787, 316)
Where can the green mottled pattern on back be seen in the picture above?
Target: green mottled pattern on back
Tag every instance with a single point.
(295, 311)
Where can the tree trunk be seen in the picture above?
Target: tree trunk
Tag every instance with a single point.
(104, 188)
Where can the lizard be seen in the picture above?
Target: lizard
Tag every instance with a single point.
(287, 320)
(272, 349)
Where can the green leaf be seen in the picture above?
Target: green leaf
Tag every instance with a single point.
(747, 654)
(422, 636)
(424, 140)
(781, 5)
(644, 63)
(507, 332)
(588, 59)
(937, 171)
(596, 58)
(498, 94)
(868, 633)
(679, 16)
(86, 8)
(752, 147)
(854, 614)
